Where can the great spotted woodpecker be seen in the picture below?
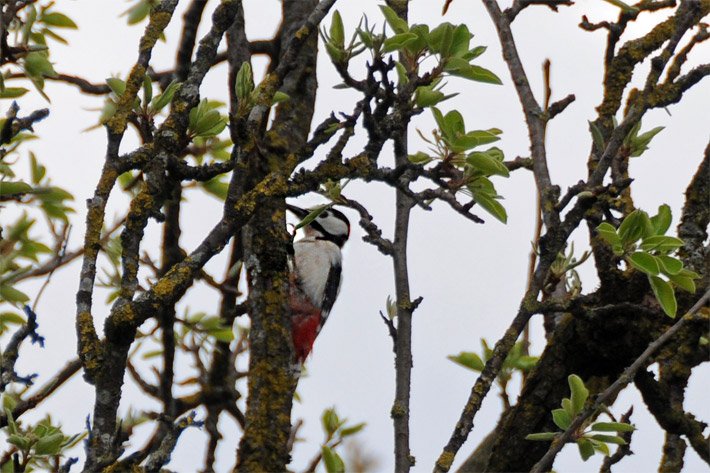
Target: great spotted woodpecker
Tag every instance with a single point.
(315, 275)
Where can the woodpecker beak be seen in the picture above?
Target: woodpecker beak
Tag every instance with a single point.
(298, 211)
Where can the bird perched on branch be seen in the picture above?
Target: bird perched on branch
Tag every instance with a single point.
(316, 274)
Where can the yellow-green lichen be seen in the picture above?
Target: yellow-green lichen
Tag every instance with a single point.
(158, 22)
(445, 460)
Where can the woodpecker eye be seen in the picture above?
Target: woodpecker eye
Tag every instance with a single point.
(325, 214)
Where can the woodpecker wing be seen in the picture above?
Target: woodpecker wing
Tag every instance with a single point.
(332, 287)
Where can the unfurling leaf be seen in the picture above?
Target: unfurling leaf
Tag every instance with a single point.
(578, 392)
(245, 81)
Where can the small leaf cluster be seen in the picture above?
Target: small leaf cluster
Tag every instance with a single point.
(453, 145)
(248, 94)
(211, 326)
(564, 267)
(449, 44)
(336, 430)
(38, 24)
(589, 438)
(634, 144)
(205, 121)
(642, 242)
(144, 108)
(19, 250)
(39, 447)
(516, 360)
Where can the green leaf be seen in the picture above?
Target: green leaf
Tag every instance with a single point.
(419, 158)
(337, 30)
(662, 220)
(147, 89)
(491, 205)
(486, 164)
(159, 102)
(644, 262)
(661, 243)
(244, 81)
(315, 212)
(561, 418)
(684, 282)
(634, 226)
(12, 295)
(279, 97)
(474, 53)
(13, 92)
(11, 318)
(468, 360)
(600, 447)
(14, 188)
(567, 406)
(60, 20)
(578, 392)
(397, 24)
(665, 295)
(422, 32)
(427, 96)
(476, 73)
(586, 449)
(473, 139)
(337, 55)
(49, 445)
(137, 13)
(639, 144)
(398, 41)
(37, 170)
(597, 137)
(613, 427)
(608, 233)
(437, 36)
(37, 65)
(222, 334)
(116, 85)
(20, 441)
(460, 41)
(670, 265)
(332, 461)
(541, 436)
(330, 421)
(352, 430)
(402, 78)
(609, 439)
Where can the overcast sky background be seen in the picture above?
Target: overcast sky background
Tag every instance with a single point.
(471, 276)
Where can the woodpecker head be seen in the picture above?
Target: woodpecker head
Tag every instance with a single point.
(331, 224)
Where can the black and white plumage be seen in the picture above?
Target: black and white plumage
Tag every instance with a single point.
(316, 275)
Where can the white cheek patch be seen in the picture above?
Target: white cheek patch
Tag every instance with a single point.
(333, 225)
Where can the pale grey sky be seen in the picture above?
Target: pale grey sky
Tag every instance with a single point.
(471, 276)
